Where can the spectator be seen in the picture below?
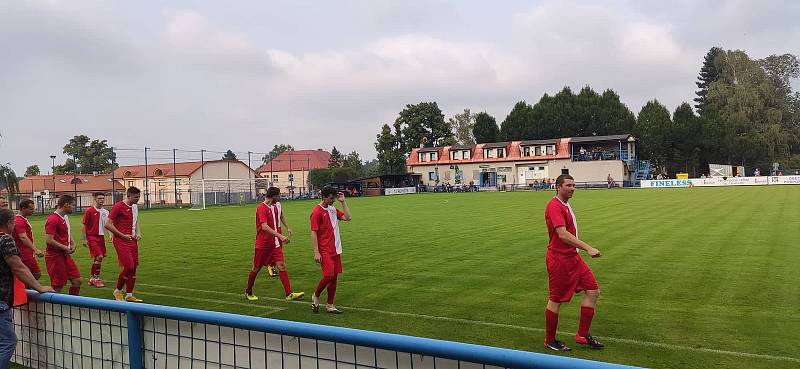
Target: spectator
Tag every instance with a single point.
(757, 172)
(610, 181)
(582, 153)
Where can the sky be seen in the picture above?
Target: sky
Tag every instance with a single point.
(247, 75)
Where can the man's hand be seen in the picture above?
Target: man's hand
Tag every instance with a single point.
(283, 238)
(85, 243)
(317, 257)
(38, 253)
(71, 249)
(46, 289)
(136, 237)
(289, 232)
(341, 197)
(593, 252)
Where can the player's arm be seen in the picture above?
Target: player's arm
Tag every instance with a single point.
(137, 233)
(288, 228)
(345, 209)
(265, 226)
(51, 241)
(86, 220)
(111, 228)
(24, 274)
(26, 242)
(315, 245)
(573, 241)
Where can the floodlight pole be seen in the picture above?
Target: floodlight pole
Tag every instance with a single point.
(203, 177)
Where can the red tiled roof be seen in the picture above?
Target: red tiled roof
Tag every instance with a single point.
(297, 160)
(513, 153)
(63, 183)
(182, 169)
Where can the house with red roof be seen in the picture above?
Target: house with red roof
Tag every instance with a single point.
(521, 163)
(289, 170)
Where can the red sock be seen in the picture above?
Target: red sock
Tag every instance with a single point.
(251, 279)
(123, 278)
(551, 320)
(332, 290)
(287, 287)
(587, 313)
(95, 269)
(75, 291)
(130, 284)
(321, 285)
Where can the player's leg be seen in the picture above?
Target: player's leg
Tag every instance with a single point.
(260, 258)
(33, 265)
(74, 276)
(337, 268)
(328, 272)
(57, 272)
(589, 284)
(280, 265)
(124, 257)
(130, 284)
(561, 287)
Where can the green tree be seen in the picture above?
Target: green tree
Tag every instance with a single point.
(8, 179)
(485, 129)
(336, 159)
(276, 150)
(654, 131)
(462, 125)
(708, 74)
(424, 124)
(517, 123)
(391, 154)
(91, 156)
(229, 155)
(687, 134)
(353, 161)
(32, 170)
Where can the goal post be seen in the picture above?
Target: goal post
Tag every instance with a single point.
(212, 192)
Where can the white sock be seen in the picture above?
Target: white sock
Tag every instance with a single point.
(129, 294)
(117, 291)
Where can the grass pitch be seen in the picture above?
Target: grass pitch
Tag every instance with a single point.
(689, 278)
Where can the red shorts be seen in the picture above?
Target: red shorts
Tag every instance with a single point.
(331, 264)
(97, 245)
(567, 276)
(29, 259)
(268, 256)
(127, 253)
(61, 269)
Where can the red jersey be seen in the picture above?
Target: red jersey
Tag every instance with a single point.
(325, 221)
(21, 225)
(94, 221)
(124, 217)
(264, 214)
(58, 226)
(560, 214)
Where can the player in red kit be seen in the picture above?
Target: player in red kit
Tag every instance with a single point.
(327, 244)
(123, 222)
(94, 221)
(269, 244)
(23, 237)
(567, 272)
(60, 247)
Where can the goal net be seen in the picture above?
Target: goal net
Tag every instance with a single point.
(211, 192)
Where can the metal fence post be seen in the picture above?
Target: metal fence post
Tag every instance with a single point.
(135, 353)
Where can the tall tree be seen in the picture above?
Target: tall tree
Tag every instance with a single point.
(336, 159)
(518, 121)
(229, 155)
(485, 129)
(654, 130)
(32, 170)
(8, 179)
(462, 125)
(91, 156)
(422, 123)
(687, 134)
(276, 150)
(708, 74)
(389, 146)
(353, 161)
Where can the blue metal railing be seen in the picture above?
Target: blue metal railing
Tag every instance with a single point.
(415, 345)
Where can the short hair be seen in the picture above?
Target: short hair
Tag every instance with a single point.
(6, 216)
(133, 191)
(328, 191)
(561, 178)
(64, 200)
(273, 191)
(25, 203)
(98, 194)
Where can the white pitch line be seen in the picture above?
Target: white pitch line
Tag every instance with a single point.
(511, 326)
(270, 309)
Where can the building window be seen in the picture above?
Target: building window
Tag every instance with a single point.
(537, 151)
(465, 154)
(162, 195)
(487, 153)
(422, 157)
(453, 155)
(130, 183)
(501, 153)
(526, 151)
(551, 150)
(433, 156)
(431, 176)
